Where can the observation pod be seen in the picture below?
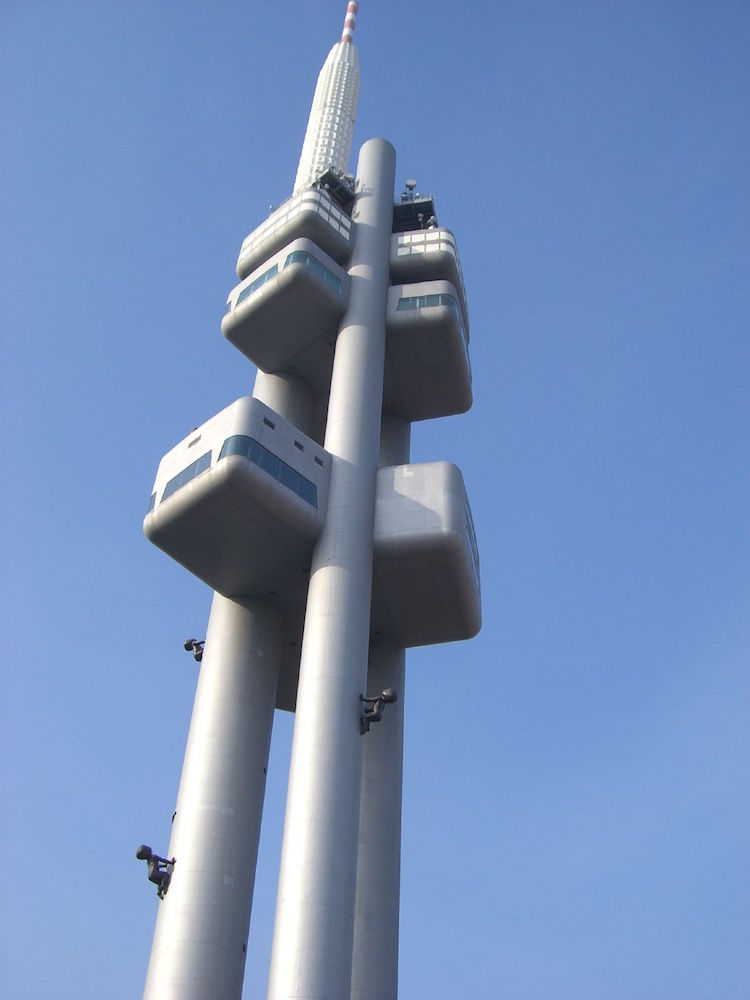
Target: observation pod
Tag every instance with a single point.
(243, 516)
(311, 214)
(425, 255)
(287, 306)
(427, 367)
(426, 586)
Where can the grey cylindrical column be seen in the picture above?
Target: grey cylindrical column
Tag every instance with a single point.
(202, 926)
(289, 396)
(375, 951)
(395, 440)
(312, 949)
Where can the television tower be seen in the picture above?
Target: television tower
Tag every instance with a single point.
(329, 555)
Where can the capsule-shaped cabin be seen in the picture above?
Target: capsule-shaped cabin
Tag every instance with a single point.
(286, 307)
(428, 255)
(311, 214)
(426, 585)
(427, 367)
(240, 502)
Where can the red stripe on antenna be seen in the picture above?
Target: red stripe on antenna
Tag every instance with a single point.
(350, 21)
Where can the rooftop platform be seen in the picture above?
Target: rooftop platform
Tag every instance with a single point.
(414, 212)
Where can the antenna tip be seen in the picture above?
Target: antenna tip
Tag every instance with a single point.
(350, 20)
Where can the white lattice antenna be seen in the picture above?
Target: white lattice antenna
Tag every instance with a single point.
(328, 139)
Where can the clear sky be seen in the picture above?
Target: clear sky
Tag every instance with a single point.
(576, 815)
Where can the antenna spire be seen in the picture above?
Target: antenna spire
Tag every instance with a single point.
(328, 138)
(347, 35)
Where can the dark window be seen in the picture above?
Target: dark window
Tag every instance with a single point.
(239, 444)
(422, 301)
(308, 491)
(288, 476)
(271, 464)
(248, 290)
(314, 265)
(193, 470)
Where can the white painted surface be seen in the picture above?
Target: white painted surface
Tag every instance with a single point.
(328, 137)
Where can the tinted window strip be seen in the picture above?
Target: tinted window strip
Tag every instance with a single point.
(314, 265)
(248, 290)
(254, 451)
(184, 477)
(422, 301)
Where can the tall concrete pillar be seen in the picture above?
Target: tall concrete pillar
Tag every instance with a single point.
(289, 396)
(201, 932)
(375, 952)
(312, 948)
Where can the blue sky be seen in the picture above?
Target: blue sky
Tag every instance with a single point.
(576, 824)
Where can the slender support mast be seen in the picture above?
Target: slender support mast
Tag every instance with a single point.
(376, 916)
(312, 950)
(201, 932)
